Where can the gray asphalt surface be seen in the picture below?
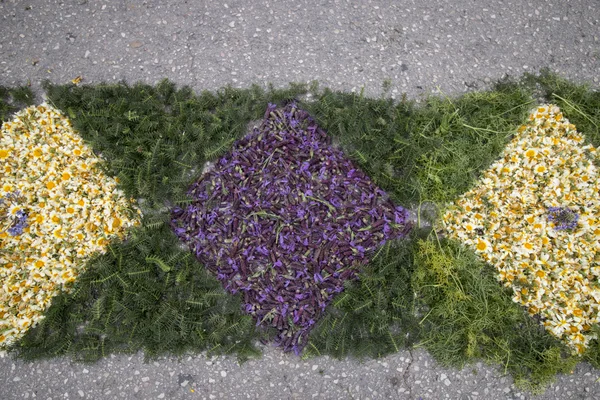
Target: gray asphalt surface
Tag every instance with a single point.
(420, 46)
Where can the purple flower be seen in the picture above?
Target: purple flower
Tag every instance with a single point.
(16, 229)
(19, 222)
(400, 215)
(336, 202)
(179, 231)
(304, 167)
(386, 229)
(563, 218)
(262, 250)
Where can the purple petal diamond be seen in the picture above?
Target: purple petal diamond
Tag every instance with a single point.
(286, 219)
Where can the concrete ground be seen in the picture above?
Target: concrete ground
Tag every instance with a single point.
(419, 46)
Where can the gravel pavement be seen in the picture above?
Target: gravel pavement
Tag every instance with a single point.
(418, 46)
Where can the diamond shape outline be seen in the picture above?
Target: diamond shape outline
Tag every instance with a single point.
(306, 151)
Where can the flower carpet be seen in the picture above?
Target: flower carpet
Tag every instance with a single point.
(153, 218)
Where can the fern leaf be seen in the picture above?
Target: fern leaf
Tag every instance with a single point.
(216, 151)
(159, 262)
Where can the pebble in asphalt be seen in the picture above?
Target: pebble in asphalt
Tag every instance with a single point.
(419, 47)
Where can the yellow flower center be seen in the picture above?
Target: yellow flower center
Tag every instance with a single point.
(116, 223)
(530, 153)
(540, 274)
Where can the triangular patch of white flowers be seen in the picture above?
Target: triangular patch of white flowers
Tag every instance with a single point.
(535, 216)
(57, 209)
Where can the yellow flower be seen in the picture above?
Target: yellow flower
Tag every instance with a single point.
(482, 245)
(116, 223)
(530, 153)
(14, 209)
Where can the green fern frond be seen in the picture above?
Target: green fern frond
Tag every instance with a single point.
(213, 152)
(159, 262)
